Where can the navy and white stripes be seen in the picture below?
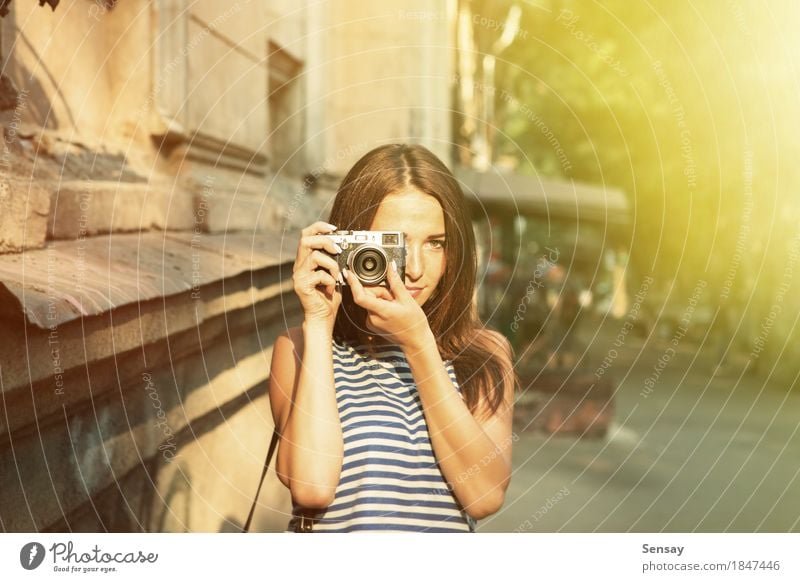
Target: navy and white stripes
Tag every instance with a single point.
(390, 479)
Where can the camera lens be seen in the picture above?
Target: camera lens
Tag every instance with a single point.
(369, 264)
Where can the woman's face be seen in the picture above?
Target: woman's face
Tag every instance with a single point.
(421, 218)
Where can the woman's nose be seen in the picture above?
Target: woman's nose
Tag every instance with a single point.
(413, 263)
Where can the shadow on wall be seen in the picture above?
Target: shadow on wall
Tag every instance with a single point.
(132, 505)
(38, 104)
(174, 510)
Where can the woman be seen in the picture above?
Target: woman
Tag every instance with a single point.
(393, 402)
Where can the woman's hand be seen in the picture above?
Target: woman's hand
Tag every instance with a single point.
(392, 313)
(315, 274)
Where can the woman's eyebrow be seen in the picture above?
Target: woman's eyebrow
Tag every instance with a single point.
(439, 235)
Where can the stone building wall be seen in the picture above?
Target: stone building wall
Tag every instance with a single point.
(158, 161)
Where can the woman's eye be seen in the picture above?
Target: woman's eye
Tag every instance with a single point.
(437, 244)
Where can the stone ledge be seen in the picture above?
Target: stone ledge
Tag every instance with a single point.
(89, 208)
(93, 373)
(73, 279)
(24, 207)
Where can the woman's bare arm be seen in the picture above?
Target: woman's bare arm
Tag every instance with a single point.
(474, 451)
(303, 400)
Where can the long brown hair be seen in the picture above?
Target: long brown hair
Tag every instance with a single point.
(451, 312)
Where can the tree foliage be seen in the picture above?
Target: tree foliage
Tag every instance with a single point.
(689, 107)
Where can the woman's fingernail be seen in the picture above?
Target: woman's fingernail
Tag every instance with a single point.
(330, 226)
(345, 273)
(394, 265)
(341, 278)
(338, 248)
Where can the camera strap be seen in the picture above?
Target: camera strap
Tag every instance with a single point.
(271, 450)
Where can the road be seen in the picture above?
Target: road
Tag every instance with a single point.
(697, 453)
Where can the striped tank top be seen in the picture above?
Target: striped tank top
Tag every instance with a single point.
(390, 478)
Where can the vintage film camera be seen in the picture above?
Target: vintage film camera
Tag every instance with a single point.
(369, 253)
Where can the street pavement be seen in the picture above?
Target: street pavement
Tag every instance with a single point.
(694, 453)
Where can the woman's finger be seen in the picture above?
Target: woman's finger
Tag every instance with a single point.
(319, 259)
(360, 296)
(396, 284)
(309, 283)
(320, 241)
(317, 228)
(381, 292)
(309, 244)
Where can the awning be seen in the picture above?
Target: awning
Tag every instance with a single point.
(532, 195)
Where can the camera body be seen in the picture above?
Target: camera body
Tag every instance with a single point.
(368, 254)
